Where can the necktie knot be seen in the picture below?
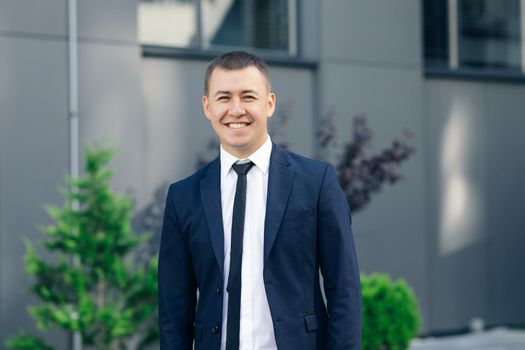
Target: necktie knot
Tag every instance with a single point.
(242, 169)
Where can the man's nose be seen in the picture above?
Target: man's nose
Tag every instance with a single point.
(236, 109)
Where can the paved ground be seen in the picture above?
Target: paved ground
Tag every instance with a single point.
(495, 339)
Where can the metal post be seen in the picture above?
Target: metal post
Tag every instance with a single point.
(522, 22)
(74, 143)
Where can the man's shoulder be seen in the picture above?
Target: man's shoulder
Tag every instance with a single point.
(303, 163)
(192, 180)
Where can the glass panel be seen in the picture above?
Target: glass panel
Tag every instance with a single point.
(167, 22)
(436, 32)
(489, 34)
(260, 24)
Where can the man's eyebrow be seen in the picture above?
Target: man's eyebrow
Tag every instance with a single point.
(222, 92)
(226, 92)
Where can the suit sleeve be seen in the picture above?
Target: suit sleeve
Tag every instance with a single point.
(339, 266)
(177, 286)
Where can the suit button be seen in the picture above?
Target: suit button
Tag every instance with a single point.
(219, 291)
(215, 329)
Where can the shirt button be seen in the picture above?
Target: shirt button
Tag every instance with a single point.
(215, 329)
(219, 291)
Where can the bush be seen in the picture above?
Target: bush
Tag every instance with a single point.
(95, 285)
(390, 313)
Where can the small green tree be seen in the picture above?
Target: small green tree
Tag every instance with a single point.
(390, 313)
(95, 284)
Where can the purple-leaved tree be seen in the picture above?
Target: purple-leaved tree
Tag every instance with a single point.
(359, 173)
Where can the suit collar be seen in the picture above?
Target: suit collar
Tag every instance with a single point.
(279, 155)
(211, 203)
(280, 182)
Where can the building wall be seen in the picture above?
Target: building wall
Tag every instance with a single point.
(34, 130)
(377, 70)
(33, 159)
(33, 140)
(475, 176)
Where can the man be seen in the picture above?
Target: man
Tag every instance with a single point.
(250, 232)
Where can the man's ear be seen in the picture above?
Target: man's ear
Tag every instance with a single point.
(206, 107)
(271, 104)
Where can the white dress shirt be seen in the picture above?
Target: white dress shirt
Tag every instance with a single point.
(256, 326)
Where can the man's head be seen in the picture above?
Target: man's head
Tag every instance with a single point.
(236, 60)
(238, 101)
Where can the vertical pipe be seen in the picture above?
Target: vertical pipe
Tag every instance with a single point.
(73, 91)
(74, 143)
(453, 37)
(522, 21)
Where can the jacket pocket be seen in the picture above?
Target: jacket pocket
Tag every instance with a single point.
(297, 214)
(315, 321)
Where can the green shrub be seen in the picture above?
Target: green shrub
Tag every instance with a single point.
(390, 313)
(96, 284)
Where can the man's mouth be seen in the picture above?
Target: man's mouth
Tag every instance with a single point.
(236, 125)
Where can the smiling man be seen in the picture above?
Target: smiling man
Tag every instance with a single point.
(250, 232)
(238, 103)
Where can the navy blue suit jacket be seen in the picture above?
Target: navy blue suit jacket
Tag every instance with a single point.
(307, 228)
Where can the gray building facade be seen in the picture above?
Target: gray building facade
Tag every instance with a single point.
(453, 228)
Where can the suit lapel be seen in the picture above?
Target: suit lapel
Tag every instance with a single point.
(280, 181)
(211, 202)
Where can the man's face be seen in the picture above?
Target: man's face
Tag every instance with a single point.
(238, 106)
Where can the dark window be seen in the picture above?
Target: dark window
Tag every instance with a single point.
(436, 33)
(216, 24)
(489, 34)
(474, 35)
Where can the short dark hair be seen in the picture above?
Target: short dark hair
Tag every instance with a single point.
(234, 60)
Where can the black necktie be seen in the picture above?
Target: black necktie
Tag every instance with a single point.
(234, 279)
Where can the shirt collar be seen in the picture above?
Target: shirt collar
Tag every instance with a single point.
(261, 158)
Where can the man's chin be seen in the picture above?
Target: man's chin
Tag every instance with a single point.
(238, 149)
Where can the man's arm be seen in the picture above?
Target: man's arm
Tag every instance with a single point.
(339, 266)
(177, 287)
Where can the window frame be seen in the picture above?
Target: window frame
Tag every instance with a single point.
(453, 69)
(291, 57)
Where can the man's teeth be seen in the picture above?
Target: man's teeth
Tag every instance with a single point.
(237, 125)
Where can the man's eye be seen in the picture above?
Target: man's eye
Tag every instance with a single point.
(222, 98)
(249, 97)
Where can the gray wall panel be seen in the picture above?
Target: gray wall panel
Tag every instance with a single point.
(390, 237)
(309, 34)
(33, 163)
(177, 130)
(37, 17)
(372, 31)
(457, 144)
(111, 110)
(108, 20)
(294, 90)
(506, 190)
